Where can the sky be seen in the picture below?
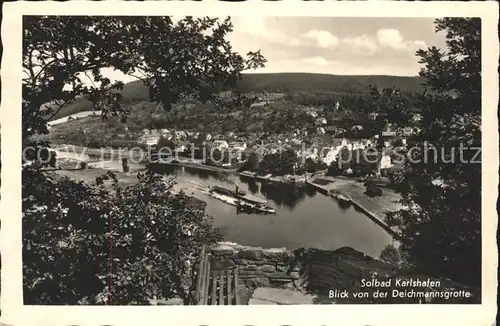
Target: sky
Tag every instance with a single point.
(332, 45)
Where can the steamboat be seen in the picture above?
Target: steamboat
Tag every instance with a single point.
(241, 200)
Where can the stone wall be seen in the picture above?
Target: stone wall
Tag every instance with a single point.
(312, 268)
(257, 266)
(314, 271)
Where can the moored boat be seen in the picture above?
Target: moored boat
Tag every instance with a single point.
(249, 207)
(340, 197)
(231, 200)
(242, 200)
(343, 198)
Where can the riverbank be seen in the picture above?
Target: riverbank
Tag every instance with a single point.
(304, 218)
(125, 179)
(106, 159)
(77, 115)
(103, 155)
(373, 207)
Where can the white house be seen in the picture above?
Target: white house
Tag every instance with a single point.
(203, 136)
(181, 148)
(330, 155)
(270, 96)
(416, 117)
(356, 128)
(407, 131)
(239, 146)
(308, 153)
(331, 129)
(321, 121)
(260, 104)
(149, 140)
(237, 149)
(388, 133)
(385, 162)
(335, 131)
(167, 135)
(180, 134)
(312, 113)
(220, 144)
(225, 94)
(357, 145)
(333, 152)
(339, 143)
(154, 132)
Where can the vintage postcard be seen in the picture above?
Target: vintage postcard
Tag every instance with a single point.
(198, 163)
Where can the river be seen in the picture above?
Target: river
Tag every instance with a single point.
(304, 217)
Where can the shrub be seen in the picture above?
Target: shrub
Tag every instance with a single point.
(103, 244)
(372, 190)
(390, 254)
(334, 170)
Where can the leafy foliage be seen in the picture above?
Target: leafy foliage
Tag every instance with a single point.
(251, 162)
(371, 189)
(105, 244)
(311, 165)
(441, 225)
(279, 163)
(96, 244)
(58, 52)
(390, 254)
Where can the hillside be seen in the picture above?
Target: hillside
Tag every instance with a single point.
(277, 82)
(307, 82)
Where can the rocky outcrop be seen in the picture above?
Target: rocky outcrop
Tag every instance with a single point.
(256, 266)
(317, 272)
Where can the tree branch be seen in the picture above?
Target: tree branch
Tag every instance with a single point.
(59, 109)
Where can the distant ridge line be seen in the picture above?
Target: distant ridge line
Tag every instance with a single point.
(291, 82)
(326, 74)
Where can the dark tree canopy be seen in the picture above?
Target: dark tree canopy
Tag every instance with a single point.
(107, 243)
(190, 58)
(442, 224)
(280, 163)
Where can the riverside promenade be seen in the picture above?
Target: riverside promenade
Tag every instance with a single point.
(374, 207)
(100, 156)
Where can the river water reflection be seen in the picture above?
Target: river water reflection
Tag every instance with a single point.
(304, 217)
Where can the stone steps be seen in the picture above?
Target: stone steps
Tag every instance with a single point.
(265, 296)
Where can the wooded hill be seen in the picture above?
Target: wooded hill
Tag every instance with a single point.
(277, 82)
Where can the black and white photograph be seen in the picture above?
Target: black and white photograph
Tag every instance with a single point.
(254, 159)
